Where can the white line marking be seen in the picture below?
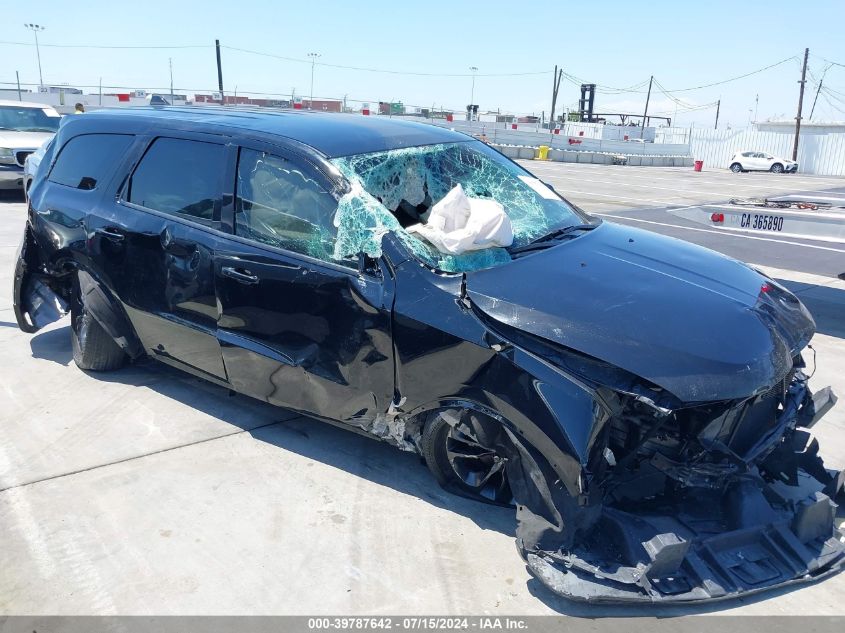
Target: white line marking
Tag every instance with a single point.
(747, 237)
(661, 203)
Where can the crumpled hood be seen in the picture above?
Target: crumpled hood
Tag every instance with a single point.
(686, 318)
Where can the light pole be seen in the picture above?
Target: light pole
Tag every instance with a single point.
(313, 57)
(474, 70)
(35, 28)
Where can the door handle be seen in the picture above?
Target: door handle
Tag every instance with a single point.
(240, 275)
(110, 234)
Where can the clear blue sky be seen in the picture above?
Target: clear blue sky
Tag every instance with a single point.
(618, 44)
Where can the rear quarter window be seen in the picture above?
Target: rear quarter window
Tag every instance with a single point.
(85, 161)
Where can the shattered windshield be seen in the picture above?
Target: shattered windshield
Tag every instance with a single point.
(396, 189)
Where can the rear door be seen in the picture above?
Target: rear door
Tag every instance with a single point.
(299, 328)
(154, 247)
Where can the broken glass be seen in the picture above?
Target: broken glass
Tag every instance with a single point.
(397, 188)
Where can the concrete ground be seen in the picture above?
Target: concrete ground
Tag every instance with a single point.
(146, 491)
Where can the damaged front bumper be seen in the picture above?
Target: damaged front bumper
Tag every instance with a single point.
(706, 515)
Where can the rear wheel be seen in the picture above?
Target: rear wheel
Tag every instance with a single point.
(736, 168)
(93, 348)
(777, 168)
(464, 457)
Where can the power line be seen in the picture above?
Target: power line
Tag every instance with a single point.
(175, 46)
(383, 70)
(738, 77)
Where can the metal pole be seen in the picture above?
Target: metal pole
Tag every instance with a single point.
(813, 109)
(101, 91)
(18, 79)
(170, 61)
(38, 54)
(219, 72)
(472, 94)
(313, 57)
(645, 112)
(35, 28)
(800, 105)
(718, 104)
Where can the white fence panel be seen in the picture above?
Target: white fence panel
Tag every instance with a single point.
(822, 154)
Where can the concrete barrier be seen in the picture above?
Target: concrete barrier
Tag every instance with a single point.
(594, 158)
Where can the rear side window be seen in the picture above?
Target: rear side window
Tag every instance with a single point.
(179, 176)
(85, 161)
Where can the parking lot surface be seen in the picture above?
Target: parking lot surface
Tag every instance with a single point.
(147, 491)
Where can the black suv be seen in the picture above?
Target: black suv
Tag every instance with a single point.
(637, 398)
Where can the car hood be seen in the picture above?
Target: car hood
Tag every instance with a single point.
(23, 140)
(701, 325)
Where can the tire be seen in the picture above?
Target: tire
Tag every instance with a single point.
(736, 168)
(461, 456)
(777, 168)
(93, 348)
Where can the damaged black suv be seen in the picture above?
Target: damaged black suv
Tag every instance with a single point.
(641, 401)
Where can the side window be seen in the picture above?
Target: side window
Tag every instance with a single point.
(179, 176)
(278, 203)
(86, 160)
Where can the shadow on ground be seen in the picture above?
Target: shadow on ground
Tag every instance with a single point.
(340, 448)
(825, 303)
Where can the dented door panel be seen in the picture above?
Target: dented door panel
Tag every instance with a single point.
(300, 334)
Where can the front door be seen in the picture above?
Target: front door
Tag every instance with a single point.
(298, 328)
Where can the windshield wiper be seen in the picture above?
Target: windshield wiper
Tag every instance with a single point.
(548, 239)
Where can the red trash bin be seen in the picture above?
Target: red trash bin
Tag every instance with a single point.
(698, 165)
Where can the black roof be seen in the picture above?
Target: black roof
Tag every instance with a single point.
(331, 134)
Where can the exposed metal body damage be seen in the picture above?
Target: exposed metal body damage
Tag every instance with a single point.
(645, 398)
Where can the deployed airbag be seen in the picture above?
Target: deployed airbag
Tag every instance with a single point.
(458, 224)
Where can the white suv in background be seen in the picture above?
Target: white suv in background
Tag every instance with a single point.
(761, 161)
(24, 127)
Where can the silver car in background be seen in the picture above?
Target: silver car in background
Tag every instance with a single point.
(24, 127)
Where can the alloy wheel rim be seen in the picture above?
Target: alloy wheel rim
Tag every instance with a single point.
(479, 467)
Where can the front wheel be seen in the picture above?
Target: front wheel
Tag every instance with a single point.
(736, 168)
(777, 168)
(465, 457)
(93, 348)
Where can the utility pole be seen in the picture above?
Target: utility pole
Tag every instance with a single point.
(718, 104)
(219, 72)
(170, 61)
(35, 28)
(18, 78)
(645, 112)
(313, 57)
(555, 88)
(756, 106)
(473, 69)
(101, 92)
(800, 105)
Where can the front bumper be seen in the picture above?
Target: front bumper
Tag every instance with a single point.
(11, 177)
(720, 526)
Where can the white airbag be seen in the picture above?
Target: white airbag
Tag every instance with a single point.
(458, 224)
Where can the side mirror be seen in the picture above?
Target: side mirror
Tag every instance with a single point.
(368, 265)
